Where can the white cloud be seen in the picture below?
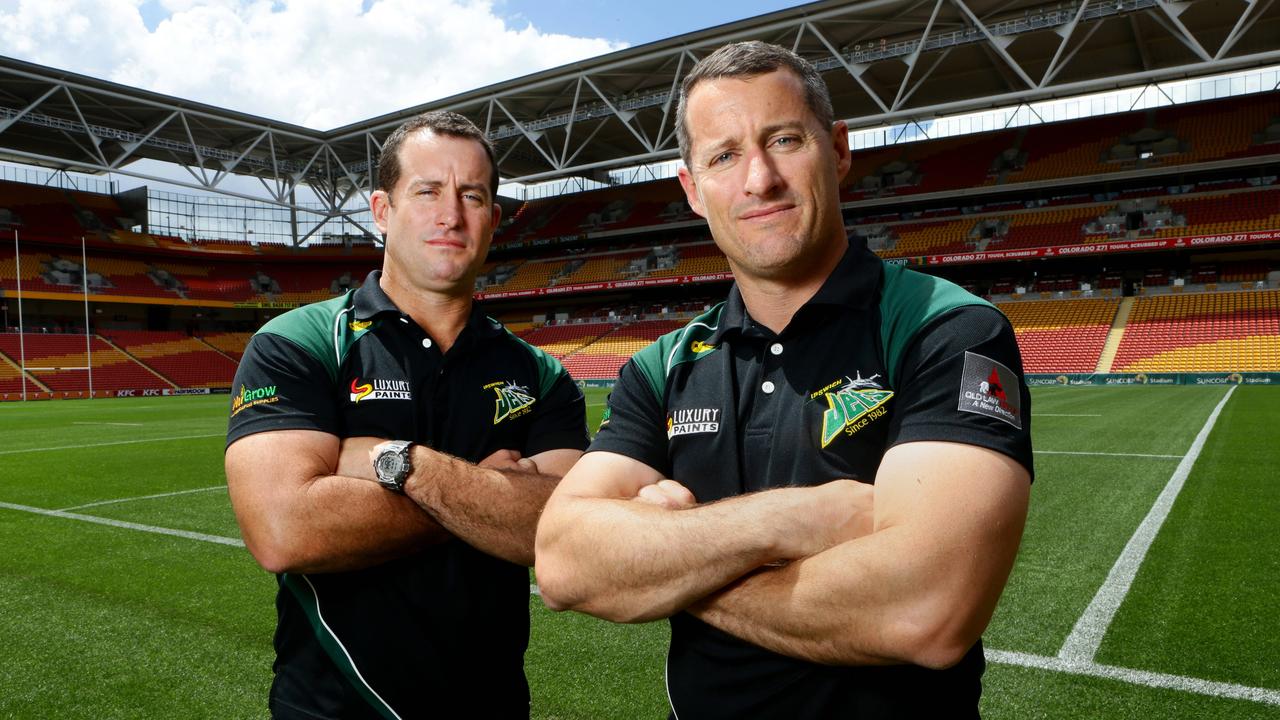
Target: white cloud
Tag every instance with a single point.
(318, 63)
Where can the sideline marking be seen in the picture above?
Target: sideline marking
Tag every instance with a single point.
(236, 542)
(1137, 677)
(1105, 454)
(143, 497)
(108, 423)
(1085, 638)
(104, 444)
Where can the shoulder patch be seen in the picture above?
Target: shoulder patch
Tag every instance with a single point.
(989, 388)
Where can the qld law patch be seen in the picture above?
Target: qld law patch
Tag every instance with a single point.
(991, 389)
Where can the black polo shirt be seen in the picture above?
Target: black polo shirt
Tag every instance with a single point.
(441, 633)
(879, 356)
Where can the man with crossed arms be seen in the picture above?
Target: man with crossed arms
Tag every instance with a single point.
(823, 481)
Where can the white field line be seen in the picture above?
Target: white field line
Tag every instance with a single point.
(237, 542)
(144, 497)
(108, 423)
(1137, 677)
(116, 442)
(1082, 644)
(1035, 414)
(1103, 454)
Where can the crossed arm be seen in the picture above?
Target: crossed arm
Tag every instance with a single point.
(917, 585)
(305, 501)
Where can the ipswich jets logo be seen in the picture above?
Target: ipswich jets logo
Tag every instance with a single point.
(852, 404)
(513, 400)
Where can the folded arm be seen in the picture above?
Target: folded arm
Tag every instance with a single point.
(919, 589)
(492, 507)
(602, 552)
(305, 504)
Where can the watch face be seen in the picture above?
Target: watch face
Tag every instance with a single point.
(390, 465)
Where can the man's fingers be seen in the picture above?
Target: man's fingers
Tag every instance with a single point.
(678, 493)
(527, 465)
(502, 460)
(668, 494)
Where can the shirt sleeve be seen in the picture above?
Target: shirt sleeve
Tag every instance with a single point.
(280, 386)
(634, 423)
(560, 419)
(961, 380)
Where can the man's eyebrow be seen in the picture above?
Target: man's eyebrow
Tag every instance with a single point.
(475, 187)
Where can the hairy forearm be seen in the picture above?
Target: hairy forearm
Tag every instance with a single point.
(630, 561)
(494, 510)
(881, 599)
(335, 523)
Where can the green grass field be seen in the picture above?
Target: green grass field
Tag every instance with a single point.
(124, 592)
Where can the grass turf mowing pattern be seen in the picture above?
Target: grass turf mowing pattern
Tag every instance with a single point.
(1204, 602)
(106, 622)
(582, 668)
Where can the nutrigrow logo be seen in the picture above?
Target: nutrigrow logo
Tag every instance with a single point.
(247, 398)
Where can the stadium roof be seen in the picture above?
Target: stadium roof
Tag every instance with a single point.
(884, 60)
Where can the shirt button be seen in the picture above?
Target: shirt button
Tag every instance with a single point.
(776, 348)
(767, 387)
(426, 342)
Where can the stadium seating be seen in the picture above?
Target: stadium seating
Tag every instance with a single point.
(184, 360)
(1061, 335)
(1209, 332)
(603, 357)
(112, 369)
(561, 340)
(231, 344)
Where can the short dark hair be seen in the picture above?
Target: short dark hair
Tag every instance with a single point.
(440, 122)
(749, 59)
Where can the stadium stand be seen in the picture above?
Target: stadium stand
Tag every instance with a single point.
(604, 356)
(1061, 335)
(112, 369)
(231, 344)
(186, 361)
(1207, 332)
(646, 231)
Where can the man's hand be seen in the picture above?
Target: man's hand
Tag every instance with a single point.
(667, 494)
(509, 460)
(843, 510)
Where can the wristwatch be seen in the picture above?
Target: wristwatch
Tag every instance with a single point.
(392, 465)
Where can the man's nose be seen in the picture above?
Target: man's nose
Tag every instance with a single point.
(763, 179)
(449, 210)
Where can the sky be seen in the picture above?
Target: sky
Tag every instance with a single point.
(326, 63)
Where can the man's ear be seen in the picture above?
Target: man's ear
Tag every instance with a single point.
(691, 191)
(379, 205)
(840, 142)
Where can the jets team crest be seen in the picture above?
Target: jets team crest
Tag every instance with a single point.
(852, 404)
(512, 402)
